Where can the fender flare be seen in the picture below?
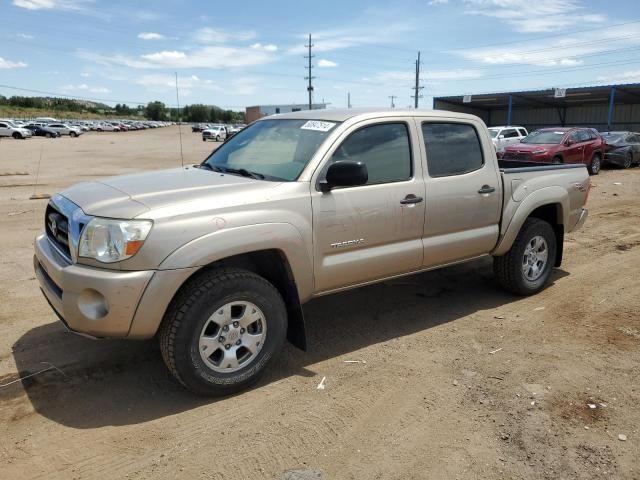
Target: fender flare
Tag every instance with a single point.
(544, 196)
(229, 242)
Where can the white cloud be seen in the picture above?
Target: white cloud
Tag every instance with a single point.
(86, 88)
(323, 63)
(535, 16)
(7, 64)
(216, 35)
(217, 57)
(85, 74)
(269, 47)
(563, 51)
(438, 2)
(150, 36)
(632, 76)
(25, 36)
(189, 83)
(52, 4)
(353, 36)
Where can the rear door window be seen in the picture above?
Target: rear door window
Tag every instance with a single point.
(510, 133)
(452, 148)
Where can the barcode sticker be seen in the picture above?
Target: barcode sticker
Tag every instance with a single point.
(318, 126)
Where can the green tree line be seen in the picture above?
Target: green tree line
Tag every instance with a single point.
(153, 110)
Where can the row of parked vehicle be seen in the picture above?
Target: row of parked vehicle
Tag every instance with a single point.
(51, 128)
(570, 145)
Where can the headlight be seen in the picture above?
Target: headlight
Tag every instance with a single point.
(109, 240)
(539, 152)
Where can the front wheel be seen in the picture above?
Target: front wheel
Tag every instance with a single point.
(628, 160)
(16, 135)
(73, 134)
(594, 166)
(217, 138)
(221, 331)
(526, 267)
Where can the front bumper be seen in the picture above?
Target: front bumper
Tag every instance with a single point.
(92, 301)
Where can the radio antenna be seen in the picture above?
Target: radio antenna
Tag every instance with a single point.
(179, 122)
(39, 196)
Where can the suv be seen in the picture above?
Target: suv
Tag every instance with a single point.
(216, 132)
(560, 145)
(65, 129)
(503, 136)
(9, 129)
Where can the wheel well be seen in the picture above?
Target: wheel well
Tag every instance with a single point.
(273, 266)
(552, 214)
(559, 155)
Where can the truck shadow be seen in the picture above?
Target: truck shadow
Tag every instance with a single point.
(90, 384)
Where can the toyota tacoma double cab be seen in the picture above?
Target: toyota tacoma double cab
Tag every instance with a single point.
(217, 259)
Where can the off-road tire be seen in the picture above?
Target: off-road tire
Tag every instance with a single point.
(595, 165)
(191, 308)
(508, 267)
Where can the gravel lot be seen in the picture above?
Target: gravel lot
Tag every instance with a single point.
(461, 380)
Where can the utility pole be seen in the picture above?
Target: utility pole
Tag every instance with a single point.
(309, 76)
(417, 88)
(392, 97)
(348, 99)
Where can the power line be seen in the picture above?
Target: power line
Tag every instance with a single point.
(309, 76)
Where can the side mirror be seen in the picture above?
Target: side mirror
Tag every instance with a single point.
(568, 143)
(345, 174)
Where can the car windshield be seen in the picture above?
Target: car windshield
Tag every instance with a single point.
(494, 132)
(544, 136)
(271, 149)
(613, 137)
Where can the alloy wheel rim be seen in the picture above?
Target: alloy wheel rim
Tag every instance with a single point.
(232, 337)
(535, 258)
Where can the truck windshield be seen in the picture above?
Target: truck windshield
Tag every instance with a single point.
(546, 137)
(271, 149)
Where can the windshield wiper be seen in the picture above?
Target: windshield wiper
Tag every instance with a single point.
(206, 166)
(244, 172)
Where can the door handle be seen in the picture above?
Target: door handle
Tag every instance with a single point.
(486, 189)
(410, 199)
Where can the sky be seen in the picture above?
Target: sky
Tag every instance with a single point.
(238, 54)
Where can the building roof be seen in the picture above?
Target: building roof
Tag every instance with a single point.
(594, 95)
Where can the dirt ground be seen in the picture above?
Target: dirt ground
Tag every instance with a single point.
(461, 380)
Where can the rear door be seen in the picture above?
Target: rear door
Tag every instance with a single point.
(464, 192)
(371, 231)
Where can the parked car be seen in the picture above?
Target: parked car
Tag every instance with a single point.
(106, 127)
(503, 136)
(65, 129)
(560, 145)
(8, 129)
(39, 131)
(217, 133)
(197, 127)
(622, 148)
(218, 260)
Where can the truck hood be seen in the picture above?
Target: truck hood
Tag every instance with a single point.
(130, 196)
(530, 147)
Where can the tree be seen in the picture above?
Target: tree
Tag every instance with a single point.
(156, 111)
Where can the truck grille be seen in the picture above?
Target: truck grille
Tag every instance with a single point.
(519, 156)
(57, 228)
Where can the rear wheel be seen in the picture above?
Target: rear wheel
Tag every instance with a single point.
(526, 267)
(628, 160)
(594, 166)
(557, 160)
(217, 138)
(221, 331)
(73, 134)
(48, 135)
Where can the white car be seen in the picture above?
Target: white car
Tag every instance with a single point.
(106, 127)
(217, 133)
(503, 136)
(8, 129)
(64, 129)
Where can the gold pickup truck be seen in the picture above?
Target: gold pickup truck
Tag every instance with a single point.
(217, 259)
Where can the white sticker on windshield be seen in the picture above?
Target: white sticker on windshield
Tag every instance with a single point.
(318, 126)
(559, 133)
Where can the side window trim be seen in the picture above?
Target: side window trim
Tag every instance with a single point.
(452, 122)
(338, 144)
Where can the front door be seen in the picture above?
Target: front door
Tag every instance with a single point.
(464, 192)
(574, 152)
(372, 231)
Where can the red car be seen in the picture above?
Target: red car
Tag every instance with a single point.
(560, 145)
